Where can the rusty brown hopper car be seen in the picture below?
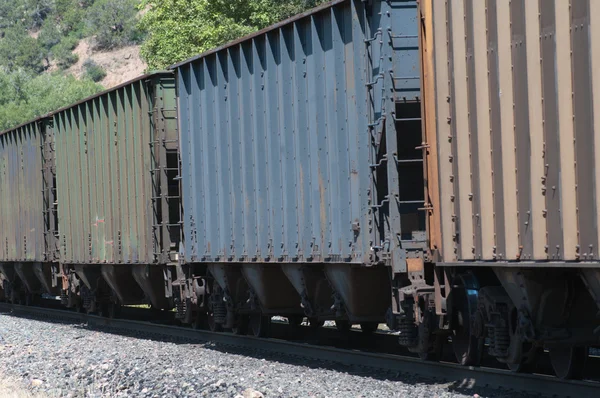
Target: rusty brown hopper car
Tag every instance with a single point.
(510, 98)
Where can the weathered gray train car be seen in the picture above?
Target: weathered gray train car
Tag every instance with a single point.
(302, 172)
(117, 215)
(510, 98)
(25, 200)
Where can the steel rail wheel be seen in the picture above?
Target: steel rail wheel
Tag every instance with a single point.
(212, 325)
(260, 325)
(315, 323)
(343, 325)
(467, 347)
(242, 323)
(568, 362)
(531, 354)
(369, 327)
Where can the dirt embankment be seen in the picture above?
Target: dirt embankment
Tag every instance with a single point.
(120, 65)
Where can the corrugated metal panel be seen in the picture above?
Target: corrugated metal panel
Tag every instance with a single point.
(515, 89)
(21, 200)
(106, 173)
(275, 135)
(429, 106)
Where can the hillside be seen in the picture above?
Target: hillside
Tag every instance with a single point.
(120, 65)
(56, 52)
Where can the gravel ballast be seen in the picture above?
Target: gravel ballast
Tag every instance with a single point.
(64, 360)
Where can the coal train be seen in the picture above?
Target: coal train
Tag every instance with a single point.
(429, 165)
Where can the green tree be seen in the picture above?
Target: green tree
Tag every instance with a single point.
(70, 15)
(63, 54)
(23, 97)
(93, 71)
(19, 50)
(13, 13)
(38, 11)
(179, 29)
(50, 35)
(113, 22)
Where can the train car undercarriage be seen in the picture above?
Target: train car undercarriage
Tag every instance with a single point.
(511, 313)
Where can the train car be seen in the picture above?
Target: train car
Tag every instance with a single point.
(118, 209)
(302, 169)
(26, 199)
(509, 100)
(430, 165)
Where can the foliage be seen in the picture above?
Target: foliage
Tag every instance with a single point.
(58, 26)
(50, 34)
(113, 22)
(19, 50)
(37, 11)
(93, 71)
(23, 97)
(63, 54)
(179, 29)
(13, 13)
(70, 16)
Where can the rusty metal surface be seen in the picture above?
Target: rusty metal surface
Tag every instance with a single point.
(21, 200)
(284, 131)
(431, 148)
(514, 85)
(108, 168)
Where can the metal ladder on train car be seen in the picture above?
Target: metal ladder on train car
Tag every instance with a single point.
(163, 228)
(383, 133)
(376, 130)
(51, 235)
(50, 203)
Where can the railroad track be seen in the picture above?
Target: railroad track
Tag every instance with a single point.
(462, 377)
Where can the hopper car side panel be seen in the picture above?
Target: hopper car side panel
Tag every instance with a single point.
(21, 194)
(110, 161)
(280, 139)
(514, 86)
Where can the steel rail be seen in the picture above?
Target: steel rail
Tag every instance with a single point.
(463, 377)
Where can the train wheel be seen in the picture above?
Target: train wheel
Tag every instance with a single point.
(343, 325)
(241, 325)
(467, 347)
(436, 351)
(569, 362)
(114, 310)
(369, 327)
(200, 321)
(295, 320)
(14, 297)
(79, 307)
(530, 357)
(111, 310)
(315, 323)
(212, 325)
(260, 325)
